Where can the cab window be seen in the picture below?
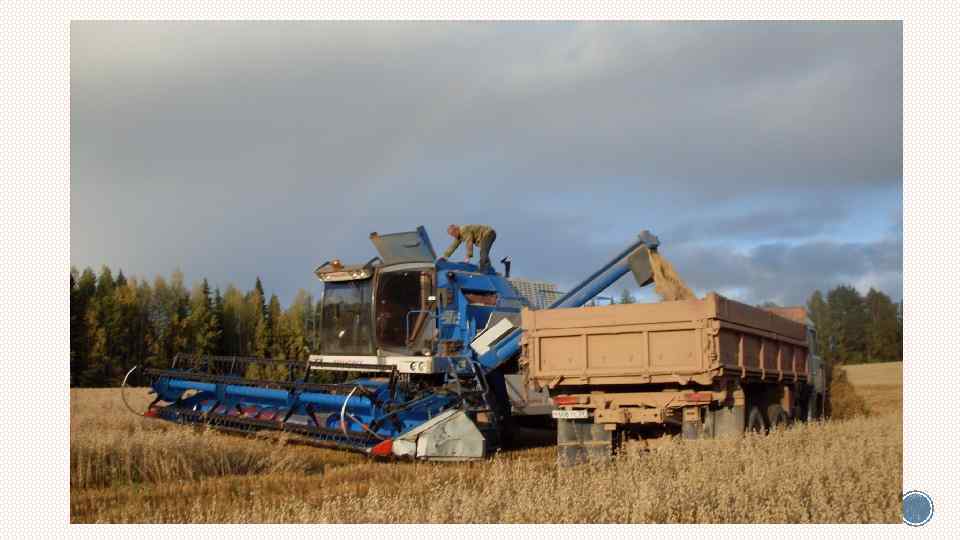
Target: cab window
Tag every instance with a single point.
(345, 326)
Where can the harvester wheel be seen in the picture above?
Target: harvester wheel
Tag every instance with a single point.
(777, 416)
(755, 421)
(507, 431)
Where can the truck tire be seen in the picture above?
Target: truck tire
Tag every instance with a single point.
(582, 441)
(777, 417)
(570, 450)
(729, 422)
(755, 421)
(814, 407)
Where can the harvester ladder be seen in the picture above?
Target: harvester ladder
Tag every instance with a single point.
(478, 386)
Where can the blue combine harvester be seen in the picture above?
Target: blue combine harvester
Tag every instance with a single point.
(434, 340)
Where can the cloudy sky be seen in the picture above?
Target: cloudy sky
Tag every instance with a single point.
(767, 157)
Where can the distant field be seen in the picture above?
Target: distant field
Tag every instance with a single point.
(880, 385)
(126, 468)
(887, 373)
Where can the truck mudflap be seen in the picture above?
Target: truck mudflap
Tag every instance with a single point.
(582, 441)
(449, 436)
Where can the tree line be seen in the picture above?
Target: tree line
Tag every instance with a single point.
(119, 322)
(854, 328)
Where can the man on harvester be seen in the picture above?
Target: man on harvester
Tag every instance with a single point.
(481, 235)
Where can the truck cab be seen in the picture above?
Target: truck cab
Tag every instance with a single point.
(817, 381)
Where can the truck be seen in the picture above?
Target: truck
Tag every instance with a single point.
(630, 374)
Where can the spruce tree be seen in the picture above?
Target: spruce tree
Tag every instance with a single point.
(218, 315)
(204, 336)
(849, 318)
(258, 288)
(234, 307)
(883, 330)
(145, 335)
(81, 294)
(123, 330)
(99, 319)
(255, 324)
(180, 305)
(274, 331)
(295, 327)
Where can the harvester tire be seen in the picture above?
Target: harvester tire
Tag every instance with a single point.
(507, 432)
(755, 421)
(777, 417)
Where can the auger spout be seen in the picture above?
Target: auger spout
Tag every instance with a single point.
(632, 258)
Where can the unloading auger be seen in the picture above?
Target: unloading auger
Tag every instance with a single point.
(433, 339)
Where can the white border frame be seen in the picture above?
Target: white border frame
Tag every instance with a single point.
(35, 229)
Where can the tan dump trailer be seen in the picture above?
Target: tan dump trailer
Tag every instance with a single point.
(626, 374)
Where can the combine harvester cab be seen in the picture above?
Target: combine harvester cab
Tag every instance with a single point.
(434, 340)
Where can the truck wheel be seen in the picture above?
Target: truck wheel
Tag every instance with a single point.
(814, 408)
(729, 421)
(582, 441)
(755, 422)
(777, 416)
(570, 450)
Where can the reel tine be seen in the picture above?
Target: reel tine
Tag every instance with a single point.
(123, 390)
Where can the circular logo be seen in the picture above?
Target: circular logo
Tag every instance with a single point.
(917, 508)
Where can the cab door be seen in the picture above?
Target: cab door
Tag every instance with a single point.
(405, 305)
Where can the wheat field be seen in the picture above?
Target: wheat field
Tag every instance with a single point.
(126, 468)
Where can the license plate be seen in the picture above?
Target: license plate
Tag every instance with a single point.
(564, 414)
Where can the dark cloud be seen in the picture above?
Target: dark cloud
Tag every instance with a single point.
(231, 149)
(763, 220)
(787, 274)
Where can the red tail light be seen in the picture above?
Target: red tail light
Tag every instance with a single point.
(565, 400)
(698, 396)
(382, 449)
